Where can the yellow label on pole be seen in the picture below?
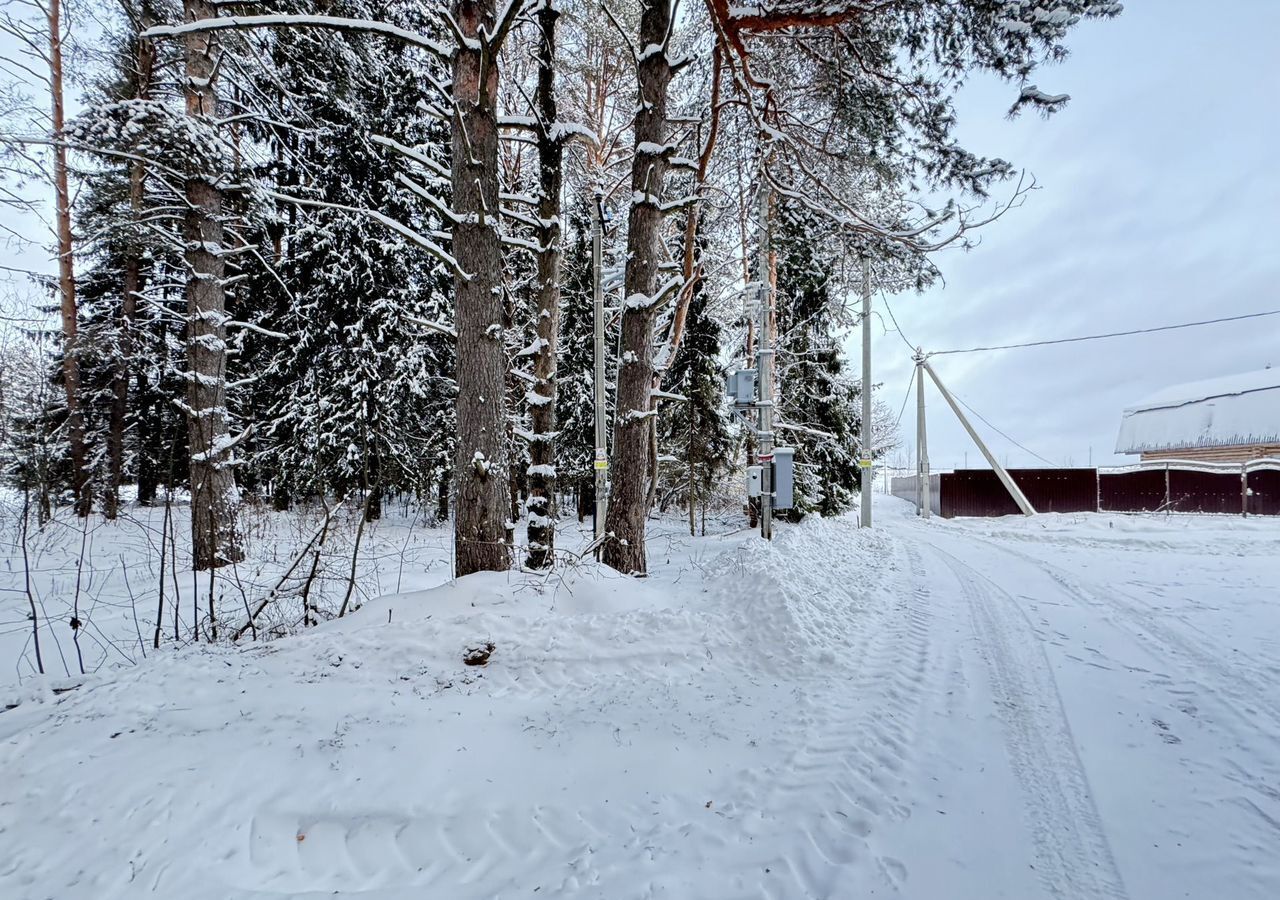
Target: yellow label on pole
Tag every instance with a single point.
(602, 463)
(864, 463)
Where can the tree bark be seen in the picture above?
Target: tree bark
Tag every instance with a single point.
(628, 503)
(481, 536)
(542, 453)
(66, 271)
(130, 288)
(214, 497)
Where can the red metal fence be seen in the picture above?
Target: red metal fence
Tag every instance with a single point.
(978, 492)
(1177, 487)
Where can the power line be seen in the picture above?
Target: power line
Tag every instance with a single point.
(907, 398)
(1002, 434)
(896, 327)
(1113, 334)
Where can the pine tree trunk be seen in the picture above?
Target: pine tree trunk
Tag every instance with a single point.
(481, 536)
(66, 272)
(628, 503)
(130, 288)
(214, 498)
(542, 454)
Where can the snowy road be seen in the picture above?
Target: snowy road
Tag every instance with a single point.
(1074, 707)
(1142, 742)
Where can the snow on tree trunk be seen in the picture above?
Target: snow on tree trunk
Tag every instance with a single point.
(542, 453)
(214, 498)
(628, 502)
(66, 271)
(481, 535)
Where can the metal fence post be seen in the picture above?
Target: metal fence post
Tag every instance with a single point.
(1244, 489)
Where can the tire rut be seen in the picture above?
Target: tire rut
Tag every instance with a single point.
(1074, 857)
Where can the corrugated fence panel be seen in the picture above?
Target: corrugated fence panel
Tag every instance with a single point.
(978, 492)
(1265, 497)
(1207, 492)
(1131, 491)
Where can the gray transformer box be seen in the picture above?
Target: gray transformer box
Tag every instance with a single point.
(784, 477)
(742, 387)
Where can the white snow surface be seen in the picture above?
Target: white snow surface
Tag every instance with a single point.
(1218, 412)
(1060, 707)
(1209, 388)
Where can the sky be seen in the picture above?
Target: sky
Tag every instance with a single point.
(1158, 203)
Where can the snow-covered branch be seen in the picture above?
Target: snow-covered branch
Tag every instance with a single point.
(404, 230)
(337, 23)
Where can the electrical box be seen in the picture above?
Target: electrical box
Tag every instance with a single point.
(742, 387)
(784, 477)
(753, 481)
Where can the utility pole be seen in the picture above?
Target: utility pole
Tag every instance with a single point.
(923, 500)
(597, 293)
(764, 370)
(864, 461)
(1009, 485)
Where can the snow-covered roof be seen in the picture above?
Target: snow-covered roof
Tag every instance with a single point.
(1219, 412)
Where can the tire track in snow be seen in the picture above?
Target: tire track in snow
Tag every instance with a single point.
(1222, 688)
(1074, 857)
(1144, 623)
(848, 773)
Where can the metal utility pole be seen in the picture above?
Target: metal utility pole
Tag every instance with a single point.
(764, 370)
(864, 461)
(923, 500)
(1009, 485)
(597, 292)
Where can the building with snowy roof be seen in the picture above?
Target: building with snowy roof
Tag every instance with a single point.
(1231, 419)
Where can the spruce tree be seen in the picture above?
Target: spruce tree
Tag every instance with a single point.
(694, 432)
(575, 411)
(358, 391)
(816, 397)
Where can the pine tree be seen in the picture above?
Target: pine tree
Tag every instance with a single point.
(629, 497)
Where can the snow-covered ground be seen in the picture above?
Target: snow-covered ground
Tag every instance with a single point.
(1067, 707)
(113, 577)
